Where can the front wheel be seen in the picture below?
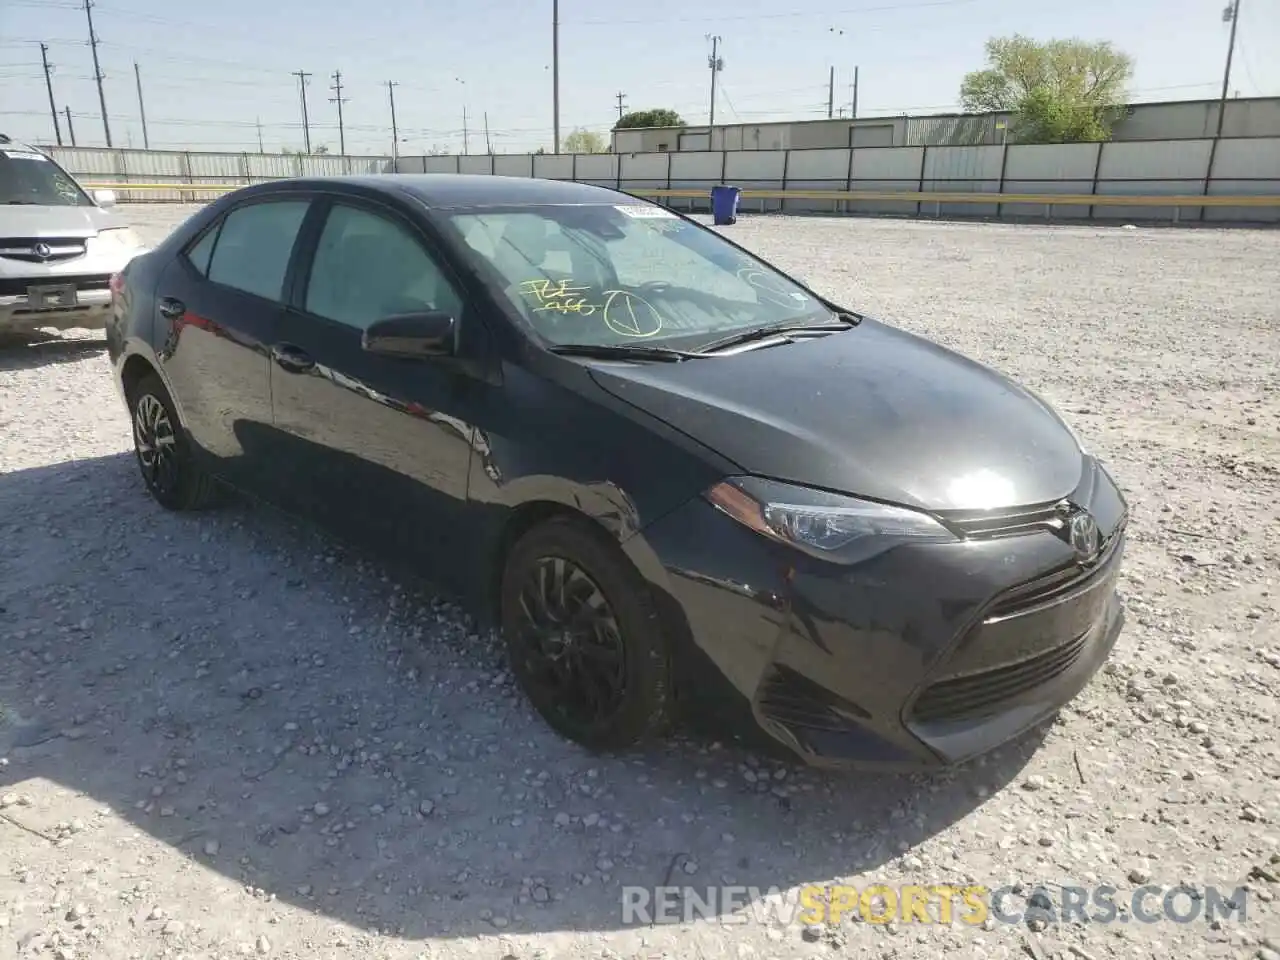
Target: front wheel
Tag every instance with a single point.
(168, 469)
(583, 638)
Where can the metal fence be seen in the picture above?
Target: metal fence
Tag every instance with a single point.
(154, 169)
(1226, 180)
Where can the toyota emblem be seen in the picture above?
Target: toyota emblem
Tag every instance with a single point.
(1083, 535)
(42, 250)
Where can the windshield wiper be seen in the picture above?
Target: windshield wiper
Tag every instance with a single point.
(23, 203)
(846, 321)
(606, 351)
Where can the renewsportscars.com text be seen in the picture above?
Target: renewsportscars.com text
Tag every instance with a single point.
(967, 904)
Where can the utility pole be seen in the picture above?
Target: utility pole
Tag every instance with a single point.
(716, 64)
(488, 145)
(465, 141)
(48, 83)
(395, 137)
(97, 70)
(258, 122)
(142, 110)
(49, 86)
(302, 76)
(831, 94)
(1231, 13)
(620, 97)
(71, 131)
(339, 99)
(555, 72)
(854, 111)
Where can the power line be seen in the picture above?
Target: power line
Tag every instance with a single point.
(302, 76)
(779, 15)
(339, 99)
(97, 70)
(48, 82)
(620, 97)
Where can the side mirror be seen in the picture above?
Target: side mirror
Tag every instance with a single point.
(104, 198)
(429, 334)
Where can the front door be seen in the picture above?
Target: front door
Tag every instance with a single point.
(375, 447)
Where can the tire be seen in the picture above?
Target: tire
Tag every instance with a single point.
(173, 479)
(643, 705)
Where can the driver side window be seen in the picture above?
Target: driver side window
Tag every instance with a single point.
(368, 267)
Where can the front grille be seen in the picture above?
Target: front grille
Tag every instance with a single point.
(984, 525)
(17, 286)
(795, 701)
(980, 694)
(1058, 583)
(60, 249)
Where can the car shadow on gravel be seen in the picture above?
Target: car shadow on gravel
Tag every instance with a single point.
(282, 712)
(39, 349)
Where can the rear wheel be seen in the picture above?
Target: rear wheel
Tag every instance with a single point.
(169, 472)
(583, 638)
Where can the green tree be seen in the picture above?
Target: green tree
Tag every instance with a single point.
(649, 118)
(1059, 91)
(585, 141)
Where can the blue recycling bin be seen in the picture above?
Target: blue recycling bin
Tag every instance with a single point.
(724, 204)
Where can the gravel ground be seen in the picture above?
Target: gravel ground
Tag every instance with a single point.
(223, 735)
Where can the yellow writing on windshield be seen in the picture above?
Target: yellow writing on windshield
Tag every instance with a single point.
(623, 312)
(629, 315)
(769, 289)
(559, 296)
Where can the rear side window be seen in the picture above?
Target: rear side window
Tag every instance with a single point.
(199, 252)
(254, 245)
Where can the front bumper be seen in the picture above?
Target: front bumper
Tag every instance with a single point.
(91, 309)
(924, 656)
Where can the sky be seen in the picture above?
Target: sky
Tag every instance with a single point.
(212, 72)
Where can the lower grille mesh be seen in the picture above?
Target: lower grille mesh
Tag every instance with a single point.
(795, 701)
(962, 698)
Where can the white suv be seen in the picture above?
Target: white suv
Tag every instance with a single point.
(59, 246)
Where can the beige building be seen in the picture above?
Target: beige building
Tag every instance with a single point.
(1174, 120)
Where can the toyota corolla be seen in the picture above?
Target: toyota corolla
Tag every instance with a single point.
(673, 476)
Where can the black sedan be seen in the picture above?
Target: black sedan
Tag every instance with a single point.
(676, 478)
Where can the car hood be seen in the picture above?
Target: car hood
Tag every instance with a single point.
(20, 220)
(873, 411)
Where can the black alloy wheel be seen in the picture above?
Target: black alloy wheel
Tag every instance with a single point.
(154, 440)
(571, 642)
(170, 474)
(582, 638)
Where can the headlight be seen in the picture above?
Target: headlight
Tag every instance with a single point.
(826, 525)
(117, 240)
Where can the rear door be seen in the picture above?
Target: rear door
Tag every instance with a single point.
(378, 447)
(218, 306)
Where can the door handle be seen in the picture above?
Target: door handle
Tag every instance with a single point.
(291, 358)
(172, 308)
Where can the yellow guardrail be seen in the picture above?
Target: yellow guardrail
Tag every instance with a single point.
(934, 197)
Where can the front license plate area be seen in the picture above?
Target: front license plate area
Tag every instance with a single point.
(52, 296)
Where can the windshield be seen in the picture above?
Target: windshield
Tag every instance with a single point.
(628, 274)
(32, 178)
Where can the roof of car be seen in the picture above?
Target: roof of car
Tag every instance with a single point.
(466, 190)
